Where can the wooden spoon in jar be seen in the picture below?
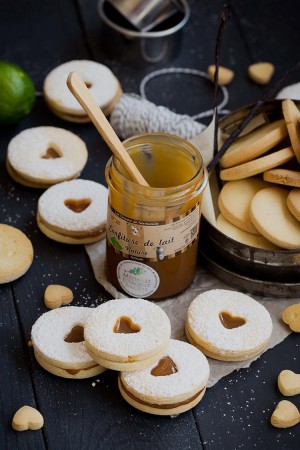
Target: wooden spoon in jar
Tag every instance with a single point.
(82, 94)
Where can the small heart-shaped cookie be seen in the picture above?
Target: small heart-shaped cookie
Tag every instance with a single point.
(56, 295)
(225, 76)
(27, 418)
(291, 316)
(261, 72)
(289, 382)
(285, 415)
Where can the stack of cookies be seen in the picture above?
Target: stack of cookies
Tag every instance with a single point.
(260, 200)
(157, 375)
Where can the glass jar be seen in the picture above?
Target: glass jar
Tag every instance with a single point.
(153, 231)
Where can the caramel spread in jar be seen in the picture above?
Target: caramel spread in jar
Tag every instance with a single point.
(152, 232)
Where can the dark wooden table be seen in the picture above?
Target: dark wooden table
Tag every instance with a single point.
(235, 413)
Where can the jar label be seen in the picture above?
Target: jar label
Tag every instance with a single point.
(155, 241)
(137, 279)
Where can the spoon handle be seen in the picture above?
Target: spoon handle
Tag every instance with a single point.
(82, 94)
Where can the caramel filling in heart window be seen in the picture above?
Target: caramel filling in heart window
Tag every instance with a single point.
(88, 84)
(229, 321)
(75, 335)
(125, 325)
(165, 366)
(77, 206)
(52, 153)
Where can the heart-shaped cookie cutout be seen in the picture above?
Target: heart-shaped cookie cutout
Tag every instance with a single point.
(75, 335)
(285, 415)
(165, 366)
(289, 382)
(126, 326)
(229, 321)
(78, 206)
(51, 153)
(27, 418)
(291, 316)
(56, 295)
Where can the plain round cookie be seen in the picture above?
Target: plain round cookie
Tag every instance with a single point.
(102, 83)
(16, 253)
(73, 212)
(127, 334)
(234, 201)
(228, 325)
(292, 116)
(172, 385)
(286, 177)
(258, 165)
(293, 203)
(254, 240)
(42, 156)
(254, 144)
(59, 347)
(271, 216)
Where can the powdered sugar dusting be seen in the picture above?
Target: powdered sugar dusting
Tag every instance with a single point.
(153, 321)
(26, 150)
(193, 373)
(203, 318)
(53, 210)
(50, 329)
(104, 85)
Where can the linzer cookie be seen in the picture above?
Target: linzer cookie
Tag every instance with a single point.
(42, 156)
(254, 240)
(172, 385)
(292, 115)
(228, 325)
(271, 216)
(73, 212)
(254, 144)
(258, 165)
(102, 83)
(58, 342)
(16, 253)
(128, 334)
(234, 202)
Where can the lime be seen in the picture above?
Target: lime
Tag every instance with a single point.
(17, 93)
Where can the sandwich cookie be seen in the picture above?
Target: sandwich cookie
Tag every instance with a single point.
(58, 343)
(254, 240)
(42, 156)
(258, 165)
(73, 212)
(234, 201)
(16, 253)
(128, 334)
(292, 116)
(270, 215)
(254, 144)
(293, 203)
(172, 385)
(228, 325)
(102, 83)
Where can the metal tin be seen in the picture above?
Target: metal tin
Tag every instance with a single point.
(264, 272)
(157, 45)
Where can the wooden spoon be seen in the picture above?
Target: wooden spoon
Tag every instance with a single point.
(82, 94)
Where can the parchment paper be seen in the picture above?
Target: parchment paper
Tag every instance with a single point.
(176, 308)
